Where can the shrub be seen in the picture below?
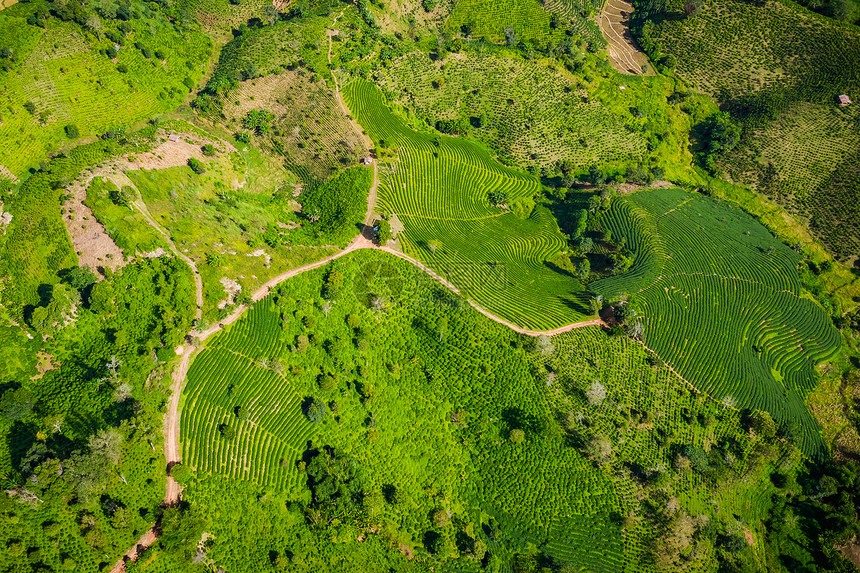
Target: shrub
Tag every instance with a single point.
(30, 106)
(181, 473)
(196, 166)
(71, 131)
(208, 150)
(242, 136)
(517, 436)
(121, 68)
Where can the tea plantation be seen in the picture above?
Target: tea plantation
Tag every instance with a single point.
(440, 189)
(429, 286)
(721, 301)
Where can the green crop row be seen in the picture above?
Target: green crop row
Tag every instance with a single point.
(720, 301)
(439, 187)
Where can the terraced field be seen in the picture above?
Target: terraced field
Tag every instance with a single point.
(732, 48)
(721, 302)
(439, 189)
(805, 160)
(69, 82)
(535, 116)
(235, 371)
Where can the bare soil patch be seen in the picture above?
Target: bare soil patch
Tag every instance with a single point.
(89, 237)
(851, 551)
(624, 56)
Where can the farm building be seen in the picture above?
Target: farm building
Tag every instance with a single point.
(173, 137)
(844, 100)
(368, 160)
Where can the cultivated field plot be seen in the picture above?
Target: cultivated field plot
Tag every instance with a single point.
(489, 20)
(68, 82)
(732, 48)
(236, 371)
(391, 380)
(439, 188)
(812, 149)
(535, 116)
(311, 129)
(721, 302)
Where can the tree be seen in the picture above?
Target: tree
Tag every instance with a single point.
(315, 410)
(544, 345)
(270, 14)
(719, 136)
(227, 431)
(383, 233)
(599, 448)
(441, 518)
(596, 393)
(517, 436)
(17, 403)
(581, 223)
(259, 121)
(762, 424)
(586, 244)
(181, 473)
(208, 150)
(594, 203)
(72, 131)
(510, 36)
(596, 176)
(196, 166)
(106, 446)
(692, 7)
(94, 24)
(181, 532)
(30, 106)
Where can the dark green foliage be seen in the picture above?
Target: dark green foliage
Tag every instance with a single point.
(16, 403)
(121, 197)
(30, 106)
(498, 197)
(71, 131)
(315, 410)
(383, 233)
(196, 166)
(335, 480)
(181, 531)
(80, 278)
(259, 121)
(336, 207)
(208, 150)
(719, 135)
(453, 126)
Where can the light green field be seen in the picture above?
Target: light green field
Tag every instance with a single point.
(440, 193)
(60, 71)
(218, 218)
